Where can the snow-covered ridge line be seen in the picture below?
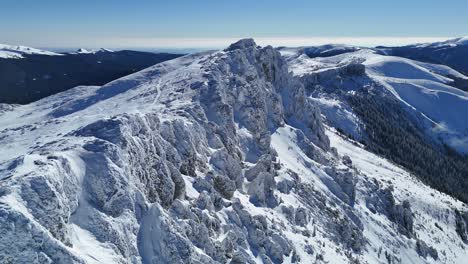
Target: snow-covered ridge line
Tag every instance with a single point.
(17, 52)
(90, 51)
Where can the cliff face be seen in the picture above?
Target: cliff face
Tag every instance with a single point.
(216, 157)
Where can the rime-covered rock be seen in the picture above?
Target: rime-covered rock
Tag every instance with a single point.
(344, 185)
(424, 250)
(225, 186)
(461, 225)
(261, 190)
(301, 216)
(403, 215)
(242, 44)
(347, 161)
(228, 166)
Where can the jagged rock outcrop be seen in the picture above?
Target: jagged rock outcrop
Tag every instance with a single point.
(382, 201)
(343, 184)
(261, 190)
(403, 216)
(461, 225)
(424, 250)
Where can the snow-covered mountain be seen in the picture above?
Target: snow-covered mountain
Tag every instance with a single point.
(425, 88)
(452, 52)
(215, 157)
(17, 52)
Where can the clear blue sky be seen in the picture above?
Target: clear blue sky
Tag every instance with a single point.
(119, 23)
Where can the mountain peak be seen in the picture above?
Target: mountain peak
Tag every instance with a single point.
(104, 50)
(242, 44)
(462, 40)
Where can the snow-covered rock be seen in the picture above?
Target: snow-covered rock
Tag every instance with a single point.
(215, 157)
(17, 52)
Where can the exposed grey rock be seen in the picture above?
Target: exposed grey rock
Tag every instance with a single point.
(461, 225)
(424, 250)
(347, 161)
(344, 185)
(351, 235)
(204, 184)
(354, 69)
(242, 44)
(261, 190)
(309, 249)
(46, 206)
(403, 216)
(285, 186)
(241, 257)
(301, 217)
(204, 202)
(264, 164)
(228, 166)
(29, 242)
(278, 247)
(288, 212)
(225, 186)
(382, 201)
(159, 242)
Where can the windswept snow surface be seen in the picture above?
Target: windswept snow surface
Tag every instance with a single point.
(423, 87)
(17, 52)
(216, 157)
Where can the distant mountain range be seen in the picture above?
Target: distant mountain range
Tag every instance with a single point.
(28, 74)
(452, 53)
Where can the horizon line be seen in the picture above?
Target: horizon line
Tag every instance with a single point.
(216, 43)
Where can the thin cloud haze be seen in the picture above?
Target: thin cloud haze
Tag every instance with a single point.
(215, 43)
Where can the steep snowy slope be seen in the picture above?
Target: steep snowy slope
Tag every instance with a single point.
(431, 223)
(216, 157)
(17, 52)
(424, 87)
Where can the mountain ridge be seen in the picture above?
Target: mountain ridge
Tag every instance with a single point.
(215, 157)
(38, 75)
